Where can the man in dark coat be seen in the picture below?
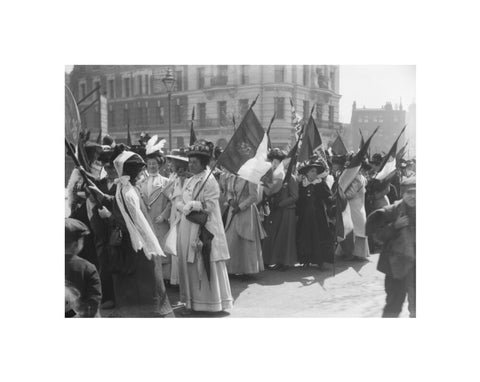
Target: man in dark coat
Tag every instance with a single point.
(394, 226)
(80, 274)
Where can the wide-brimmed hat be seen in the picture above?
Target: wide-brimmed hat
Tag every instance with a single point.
(313, 162)
(178, 154)
(75, 229)
(409, 183)
(276, 153)
(201, 148)
(376, 159)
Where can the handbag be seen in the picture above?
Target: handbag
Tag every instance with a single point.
(198, 217)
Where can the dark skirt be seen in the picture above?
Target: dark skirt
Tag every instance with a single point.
(279, 247)
(315, 242)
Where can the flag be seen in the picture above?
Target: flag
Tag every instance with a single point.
(268, 131)
(344, 223)
(401, 153)
(389, 162)
(311, 140)
(297, 121)
(352, 169)
(362, 141)
(246, 153)
(338, 147)
(193, 137)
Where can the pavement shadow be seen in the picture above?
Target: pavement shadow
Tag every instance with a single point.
(305, 276)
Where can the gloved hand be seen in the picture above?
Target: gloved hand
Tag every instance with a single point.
(193, 205)
(104, 213)
(179, 206)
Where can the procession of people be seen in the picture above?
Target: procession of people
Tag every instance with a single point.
(149, 221)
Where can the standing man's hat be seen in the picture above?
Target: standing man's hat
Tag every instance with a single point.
(75, 229)
(409, 183)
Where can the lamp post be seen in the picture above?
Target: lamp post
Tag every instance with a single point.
(169, 82)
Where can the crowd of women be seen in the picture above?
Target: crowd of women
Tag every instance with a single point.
(149, 221)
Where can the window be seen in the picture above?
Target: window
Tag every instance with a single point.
(360, 119)
(146, 84)
(111, 88)
(279, 73)
(140, 87)
(126, 87)
(202, 114)
(178, 80)
(201, 78)
(96, 84)
(319, 109)
(306, 111)
(380, 119)
(331, 111)
(243, 75)
(126, 116)
(279, 107)
(374, 118)
(178, 111)
(111, 117)
(305, 75)
(83, 90)
(332, 80)
(146, 114)
(160, 114)
(243, 107)
(222, 112)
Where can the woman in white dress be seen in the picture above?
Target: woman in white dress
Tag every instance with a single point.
(199, 290)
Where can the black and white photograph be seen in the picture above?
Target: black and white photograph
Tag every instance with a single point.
(216, 190)
(227, 191)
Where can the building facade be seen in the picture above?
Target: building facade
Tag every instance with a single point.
(391, 121)
(138, 98)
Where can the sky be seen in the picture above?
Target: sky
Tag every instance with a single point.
(374, 85)
(371, 86)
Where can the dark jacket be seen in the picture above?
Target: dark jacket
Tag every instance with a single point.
(83, 276)
(397, 256)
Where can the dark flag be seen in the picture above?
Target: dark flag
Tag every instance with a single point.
(311, 140)
(268, 131)
(389, 162)
(401, 153)
(362, 141)
(338, 147)
(193, 137)
(246, 153)
(344, 224)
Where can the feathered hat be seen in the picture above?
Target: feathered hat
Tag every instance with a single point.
(154, 148)
(314, 162)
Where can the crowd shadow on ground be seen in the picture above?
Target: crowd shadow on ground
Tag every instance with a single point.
(305, 276)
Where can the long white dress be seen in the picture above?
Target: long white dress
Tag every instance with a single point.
(197, 291)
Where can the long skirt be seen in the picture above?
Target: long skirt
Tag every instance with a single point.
(141, 292)
(197, 292)
(245, 255)
(279, 247)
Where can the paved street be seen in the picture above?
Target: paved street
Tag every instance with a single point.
(355, 291)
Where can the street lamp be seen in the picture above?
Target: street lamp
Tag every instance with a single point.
(169, 82)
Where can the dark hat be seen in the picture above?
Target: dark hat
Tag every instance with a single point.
(313, 162)
(366, 166)
(178, 154)
(106, 155)
(276, 153)
(409, 183)
(376, 159)
(339, 159)
(74, 229)
(200, 148)
(108, 140)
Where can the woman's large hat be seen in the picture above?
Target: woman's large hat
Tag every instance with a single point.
(178, 154)
(201, 148)
(313, 162)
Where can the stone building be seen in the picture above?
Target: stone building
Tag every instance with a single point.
(138, 98)
(391, 121)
